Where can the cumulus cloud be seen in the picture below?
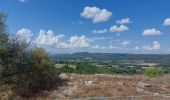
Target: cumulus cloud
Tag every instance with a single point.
(78, 42)
(48, 38)
(25, 34)
(120, 28)
(167, 22)
(99, 31)
(96, 14)
(151, 32)
(124, 21)
(155, 46)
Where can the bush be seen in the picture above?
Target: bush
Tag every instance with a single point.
(67, 69)
(41, 75)
(154, 72)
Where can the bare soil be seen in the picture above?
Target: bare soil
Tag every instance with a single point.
(82, 86)
(99, 85)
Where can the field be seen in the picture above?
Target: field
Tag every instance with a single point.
(99, 85)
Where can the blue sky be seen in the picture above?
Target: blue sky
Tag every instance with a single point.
(114, 26)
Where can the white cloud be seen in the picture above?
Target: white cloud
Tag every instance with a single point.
(78, 42)
(48, 38)
(120, 28)
(151, 32)
(96, 14)
(125, 43)
(167, 22)
(155, 46)
(99, 31)
(25, 34)
(124, 21)
(63, 45)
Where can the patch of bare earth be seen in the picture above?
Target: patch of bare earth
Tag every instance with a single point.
(82, 86)
(85, 86)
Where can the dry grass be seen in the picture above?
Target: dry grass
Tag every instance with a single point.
(83, 86)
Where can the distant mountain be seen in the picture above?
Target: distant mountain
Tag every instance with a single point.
(156, 58)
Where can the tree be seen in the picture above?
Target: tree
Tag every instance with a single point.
(30, 68)
(41, 74)
(12, 50)
(3, 42)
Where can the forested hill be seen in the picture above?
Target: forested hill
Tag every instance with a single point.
(152, 58)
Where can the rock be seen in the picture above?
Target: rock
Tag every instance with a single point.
(88, 82)
(63, 76)
(140, 84)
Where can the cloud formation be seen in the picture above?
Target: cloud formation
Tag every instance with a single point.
(96, 14)
(48, 38)
(25, 34)
(78, 42)
(151, 32)
(124, 21)
(120, 28)
(125, 43)
(167, 22)
(99, 31)
(155, 46)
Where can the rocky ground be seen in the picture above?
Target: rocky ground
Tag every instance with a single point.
(99, 85)
(82, 86)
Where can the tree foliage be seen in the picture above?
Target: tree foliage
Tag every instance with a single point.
(30, 68)
(154, 72)
(41, 74)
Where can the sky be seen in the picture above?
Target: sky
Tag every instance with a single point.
(108, 26)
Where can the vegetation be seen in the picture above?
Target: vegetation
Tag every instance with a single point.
(41, 74)
(29, 69)
(154, 72)
(86, 68)
(115, 58)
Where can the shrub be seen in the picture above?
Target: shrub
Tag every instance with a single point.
(41, 75)
(154, 72)
(67, 69)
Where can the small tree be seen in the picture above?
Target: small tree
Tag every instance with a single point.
(12, 50)
(3, 42)
(41, 74)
